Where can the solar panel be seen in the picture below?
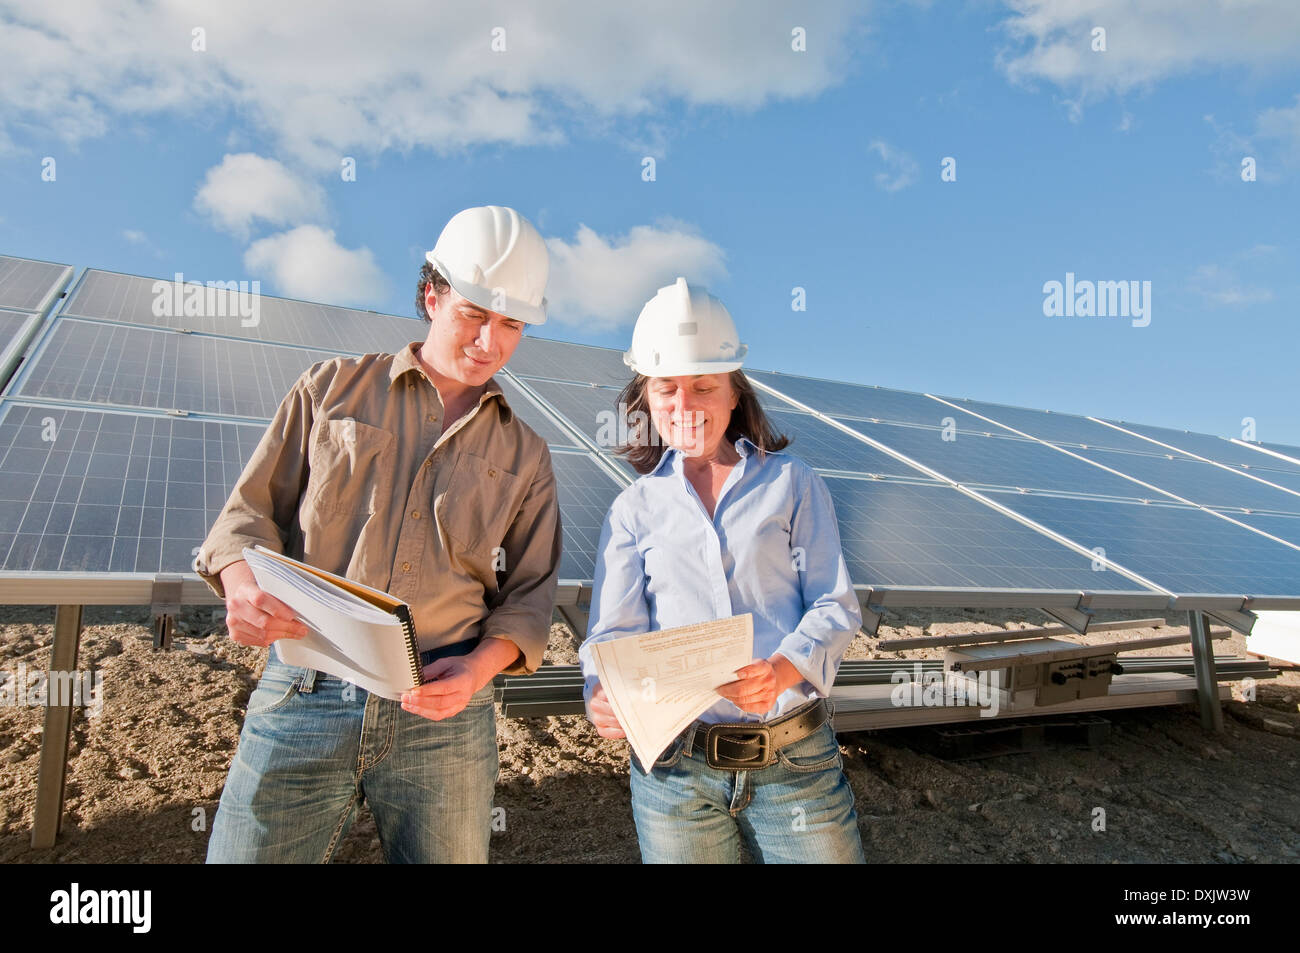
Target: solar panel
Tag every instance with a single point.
(976, 460)
(1066, 429)
(822, 446)
(100, 363)
(538, 357)
(1292, 454)
(93, 491)
(1210, 447)
(530, 414)
(133, 300)
(1197, 482)
(1182, 549)
(27, 285)
(836, 398)
(585, 492)
(914, 535)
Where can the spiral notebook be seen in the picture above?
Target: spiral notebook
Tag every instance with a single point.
(359, 634)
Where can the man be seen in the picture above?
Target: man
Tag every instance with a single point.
(411, 474)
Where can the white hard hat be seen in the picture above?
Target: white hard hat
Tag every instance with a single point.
(684, 330)
(494, 258)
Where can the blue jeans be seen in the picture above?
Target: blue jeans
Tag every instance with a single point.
(799, 810)
(313, 747)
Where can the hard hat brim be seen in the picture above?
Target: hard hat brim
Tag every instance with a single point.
(683, 369)
(513, 308)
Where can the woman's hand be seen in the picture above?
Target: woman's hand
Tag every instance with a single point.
(760, 683)
(601, 714)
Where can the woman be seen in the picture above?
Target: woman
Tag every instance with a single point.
(723, 523)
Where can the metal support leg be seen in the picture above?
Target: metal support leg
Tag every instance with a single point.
(58, 727)
(1207, 682)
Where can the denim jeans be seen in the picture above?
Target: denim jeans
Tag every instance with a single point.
(313, 747)
(799, 810)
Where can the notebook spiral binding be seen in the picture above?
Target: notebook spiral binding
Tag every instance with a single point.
(412, 644)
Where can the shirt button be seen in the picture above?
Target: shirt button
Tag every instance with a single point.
(427, 464)
(406, 567)
(415, 514)
(492, 474)
(431, 418)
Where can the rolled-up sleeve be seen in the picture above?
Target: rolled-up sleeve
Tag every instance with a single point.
(618, 597)
(832, 614)
(522, 607)
(264, 503)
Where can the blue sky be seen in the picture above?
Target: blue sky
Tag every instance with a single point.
(774, 169)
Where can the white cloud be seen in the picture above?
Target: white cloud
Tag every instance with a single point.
(901, 170)
(1282, 125)
(1223, 285)
(602, 283)
(307, 262)
(135, 237)
(327, 78)
(247, 187)
(1146, 41)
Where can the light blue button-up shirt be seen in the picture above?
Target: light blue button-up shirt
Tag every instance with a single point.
(772, 549)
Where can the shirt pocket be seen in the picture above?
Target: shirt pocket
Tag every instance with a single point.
(351, 469)
(479, 503)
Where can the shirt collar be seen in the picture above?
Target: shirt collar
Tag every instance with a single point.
(405, 362)
(744, 447)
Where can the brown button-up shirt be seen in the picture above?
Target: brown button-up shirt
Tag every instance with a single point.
(358, 476)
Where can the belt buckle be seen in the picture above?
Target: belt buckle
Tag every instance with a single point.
(718, 733)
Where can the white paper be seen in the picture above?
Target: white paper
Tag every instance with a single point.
(660, 682)
(349, 638)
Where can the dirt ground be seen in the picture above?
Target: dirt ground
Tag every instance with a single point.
(145, 774)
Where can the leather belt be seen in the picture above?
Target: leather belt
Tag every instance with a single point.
(745, 746)
(447, 651)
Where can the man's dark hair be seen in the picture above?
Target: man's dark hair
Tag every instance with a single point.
(440, 287)
(645, 450)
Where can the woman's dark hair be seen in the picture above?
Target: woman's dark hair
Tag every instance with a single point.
(645, 448)
(440, 287)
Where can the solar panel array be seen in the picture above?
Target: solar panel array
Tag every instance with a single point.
(141, 401)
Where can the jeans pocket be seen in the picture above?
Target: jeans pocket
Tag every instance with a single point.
(817, 752)
(277, 687)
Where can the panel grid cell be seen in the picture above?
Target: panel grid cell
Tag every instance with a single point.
(160, 303)
(1212, 448)
(585, 492)
(1184, 550)
(836, 398)
(538, 357)
(528, 412)
(906, 535)
(84, 491)
(142, 367)
(26, 284)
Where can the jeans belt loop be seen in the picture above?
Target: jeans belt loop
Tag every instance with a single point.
(308, 683)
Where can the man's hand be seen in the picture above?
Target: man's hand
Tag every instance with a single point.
(449, 683)
(255, 617)
(760, 683)
(601, 714)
